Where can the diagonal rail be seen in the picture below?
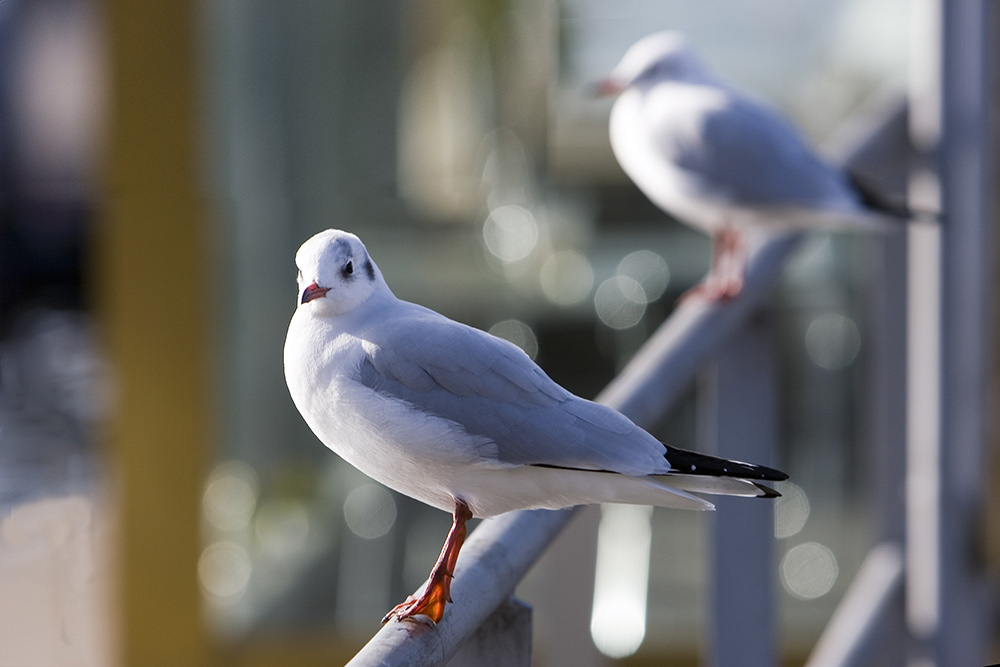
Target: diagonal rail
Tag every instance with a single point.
(849, 638)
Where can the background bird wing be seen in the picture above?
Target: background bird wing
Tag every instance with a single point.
(741, 152)
(493, 390)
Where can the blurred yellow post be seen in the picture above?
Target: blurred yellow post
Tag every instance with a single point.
(152, 295)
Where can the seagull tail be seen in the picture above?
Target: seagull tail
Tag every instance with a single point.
(878, 202)
(721, 486)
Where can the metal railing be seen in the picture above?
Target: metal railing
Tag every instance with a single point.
(501, 550)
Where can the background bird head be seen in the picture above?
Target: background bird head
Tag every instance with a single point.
(660, 57)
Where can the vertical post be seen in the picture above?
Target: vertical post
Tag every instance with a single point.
(967, 180)
(503, 640)
(923, 319)
(152, 297)
(951, 328)
(564, 593)
(923, 439)
(887, 419)
(739, 417)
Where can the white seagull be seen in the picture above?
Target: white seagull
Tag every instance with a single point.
(719, 160)
(462, 420)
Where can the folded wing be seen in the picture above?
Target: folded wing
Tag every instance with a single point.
(492, 389)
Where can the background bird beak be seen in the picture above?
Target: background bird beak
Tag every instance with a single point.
(606, 87)
(313, 291)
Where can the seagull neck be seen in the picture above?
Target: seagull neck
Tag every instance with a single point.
(381, 296)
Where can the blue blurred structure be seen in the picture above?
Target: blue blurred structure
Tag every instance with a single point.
(51, 380)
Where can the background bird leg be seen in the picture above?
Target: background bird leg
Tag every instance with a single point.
(733, 263)
(726, 268)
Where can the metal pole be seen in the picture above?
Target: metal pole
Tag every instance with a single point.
(967, 179)
(948, 606)
(740, 416)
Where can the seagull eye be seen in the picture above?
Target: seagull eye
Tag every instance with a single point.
(349, 268)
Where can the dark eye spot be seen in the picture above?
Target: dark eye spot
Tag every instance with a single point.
(348, 268)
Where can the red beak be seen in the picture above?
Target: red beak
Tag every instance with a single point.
(606, 87)
(314, 291)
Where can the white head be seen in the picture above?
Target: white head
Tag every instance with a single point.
(336, 275)
(663, 56)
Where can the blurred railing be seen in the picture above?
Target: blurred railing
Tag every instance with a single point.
(741, 405)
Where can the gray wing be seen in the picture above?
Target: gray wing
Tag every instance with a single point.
(743, 153)
(492, 389)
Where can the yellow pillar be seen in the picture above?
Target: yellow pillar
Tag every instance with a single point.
(153, 297)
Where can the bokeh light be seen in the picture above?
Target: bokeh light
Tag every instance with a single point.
(510, 233)
(649, 270)
(620, 302)
(224, 571)
(369, 511)
(505, 170)
(230, 495)
(833, 341)
(566, 278)
(519, 333)
(281, 527)
(791, 510)
(809, 570)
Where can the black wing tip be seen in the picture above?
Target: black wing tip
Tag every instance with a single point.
(770, 474)
(694, 463)
(766, 491)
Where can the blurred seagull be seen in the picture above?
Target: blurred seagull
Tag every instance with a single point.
(721, 161)
(462, 420)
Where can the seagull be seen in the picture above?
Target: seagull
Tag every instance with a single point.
(721, 161)
(462, 420)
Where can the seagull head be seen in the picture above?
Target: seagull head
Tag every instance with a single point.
(663, 56)
(336, 275)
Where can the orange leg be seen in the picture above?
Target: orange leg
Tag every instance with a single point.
(727, 268)
(437, 590)
(735, 268)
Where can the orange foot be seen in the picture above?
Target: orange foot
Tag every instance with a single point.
(430, 603)
(437, 590)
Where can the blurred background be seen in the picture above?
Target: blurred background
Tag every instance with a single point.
(162, 501)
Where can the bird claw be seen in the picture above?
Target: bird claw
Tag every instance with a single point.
(428, 608)
(400, 615)
(399, 611)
